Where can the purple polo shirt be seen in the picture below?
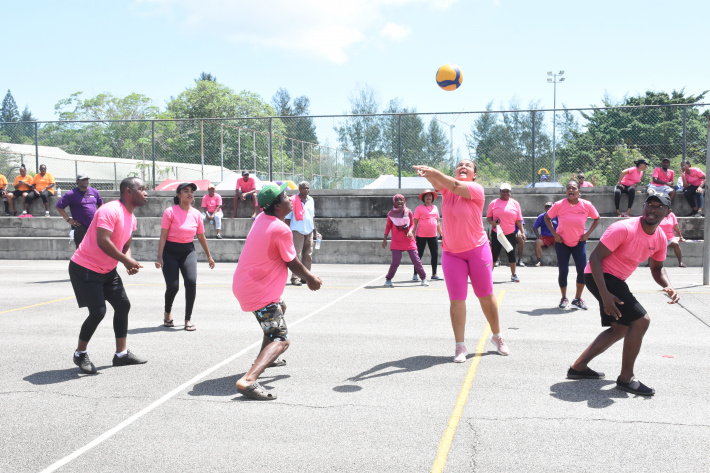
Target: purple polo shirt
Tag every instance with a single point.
(82, 205)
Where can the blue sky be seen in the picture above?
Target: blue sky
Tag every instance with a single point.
(326, 49)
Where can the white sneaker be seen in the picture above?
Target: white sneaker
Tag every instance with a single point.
(24, 212)
(461, 353)
(415, 278)
(424, 282)
(46, 213)
(436, 277)
(501, 347)
(388, 283)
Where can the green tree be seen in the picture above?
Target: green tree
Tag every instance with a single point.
(362, 133)
(8, 115)
(27, 129)
(437, 146)
(413, 136)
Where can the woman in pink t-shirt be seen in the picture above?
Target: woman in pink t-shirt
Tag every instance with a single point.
(669, 226)
(400, 220)
(176, 251)
(627, 185)
(571, 238)
(505, 215)
(426, 227)
(466, 252)
(693, 188)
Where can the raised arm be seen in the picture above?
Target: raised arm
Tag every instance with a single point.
(441, 181)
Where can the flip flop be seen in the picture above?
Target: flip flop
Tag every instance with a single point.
(256, 391)
(168, 323)
(190, 328)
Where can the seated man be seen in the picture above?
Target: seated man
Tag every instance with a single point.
(662, 180)
(43, 187)
(23, 187)
(212, 209)
(246, 189)
(545, 239)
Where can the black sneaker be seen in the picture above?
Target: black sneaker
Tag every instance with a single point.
(693, 213)
(579, 303)
(84, 363)
(586, 374)
(635, 387)
(128, 359)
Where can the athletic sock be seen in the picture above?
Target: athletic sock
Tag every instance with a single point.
(77, 353)
(122, 354)
(496, 335)
(460, 343)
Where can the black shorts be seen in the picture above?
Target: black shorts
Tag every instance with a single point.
(2, 192)
(18, 193)
(271, 319)
(91, 288)
(630, 310)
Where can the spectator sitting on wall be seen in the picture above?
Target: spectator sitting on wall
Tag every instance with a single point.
(583, 183)
(3, 192)
(662, 180)
(246, 189)
(42, 186)
(23, 187)
(82, 202)
(212, 206)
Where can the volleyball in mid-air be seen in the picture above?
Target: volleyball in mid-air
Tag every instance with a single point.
(449, 77)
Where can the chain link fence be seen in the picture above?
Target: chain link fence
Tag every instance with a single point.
(523, 147)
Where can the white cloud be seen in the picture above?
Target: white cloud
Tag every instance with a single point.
(320, 28)
(395, 32)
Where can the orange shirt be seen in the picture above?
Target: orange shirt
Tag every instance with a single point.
(3, 182)
(23, 187)
(41, 182)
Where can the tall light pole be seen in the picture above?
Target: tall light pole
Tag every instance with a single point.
(554, 79)
(451, 137)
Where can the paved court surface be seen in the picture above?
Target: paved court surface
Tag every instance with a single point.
(369, 386)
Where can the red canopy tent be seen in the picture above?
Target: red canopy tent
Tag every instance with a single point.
(172, 184)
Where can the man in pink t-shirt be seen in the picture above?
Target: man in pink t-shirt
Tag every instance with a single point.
(246, 189)
(663, 180)
(212, 209)
(623, 246)
(260, 279)
(94, 277)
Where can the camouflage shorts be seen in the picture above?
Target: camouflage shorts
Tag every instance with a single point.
(271, 319)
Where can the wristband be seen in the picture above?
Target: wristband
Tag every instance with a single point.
(68, 219)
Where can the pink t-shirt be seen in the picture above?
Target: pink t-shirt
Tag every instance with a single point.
(428, 220)
(659, 173)
(115, 218)
(507, 211)
(587, 184)
(572, 219)
(630, 245)
(182, 225)
(633, 177)
(262, 271)
(667, 225)
(399, 236)
(463, 219)
(211, 203)
(695, 177)
(246, 186)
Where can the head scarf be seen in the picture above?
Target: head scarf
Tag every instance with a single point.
(399, 217)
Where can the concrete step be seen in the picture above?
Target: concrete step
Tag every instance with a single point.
(371, 228)
(376, 203)
(333, 251)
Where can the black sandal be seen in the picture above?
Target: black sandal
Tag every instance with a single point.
(168, 323)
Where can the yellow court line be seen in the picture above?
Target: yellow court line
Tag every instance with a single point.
(36, 305)
(448, 437)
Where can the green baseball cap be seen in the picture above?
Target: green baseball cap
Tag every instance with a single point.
(269, 193)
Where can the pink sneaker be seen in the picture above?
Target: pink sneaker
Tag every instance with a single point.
(500, 345)
(461, 353)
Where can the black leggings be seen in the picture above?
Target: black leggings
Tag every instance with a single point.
(180, 258)
(433, 243)
(44, 195)
(691, 194)
(93, 290)
(628, 190)
(578, 253)
(496, 245)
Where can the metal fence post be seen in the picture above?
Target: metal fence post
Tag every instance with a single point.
(685, 121)
(202, 147)
(399, 149)
(706, 241)
(239, 148)
(271, 157)
(152, 144)
(533, 149)
(221, 152)
(36, 147)
(253, 142)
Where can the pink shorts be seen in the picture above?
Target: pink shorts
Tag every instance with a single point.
(476, 264)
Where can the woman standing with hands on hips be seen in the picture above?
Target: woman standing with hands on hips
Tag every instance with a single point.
(176, 251)
(426, 227)
(571, 239)
(466, 252)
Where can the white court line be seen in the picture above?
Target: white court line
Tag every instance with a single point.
(109, 433)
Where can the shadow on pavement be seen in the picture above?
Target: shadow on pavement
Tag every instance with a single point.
(542, 311)
(587, 390)
(413, 363)
(227, 386)
(159, 328)
(59, 376)
(50, 282)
